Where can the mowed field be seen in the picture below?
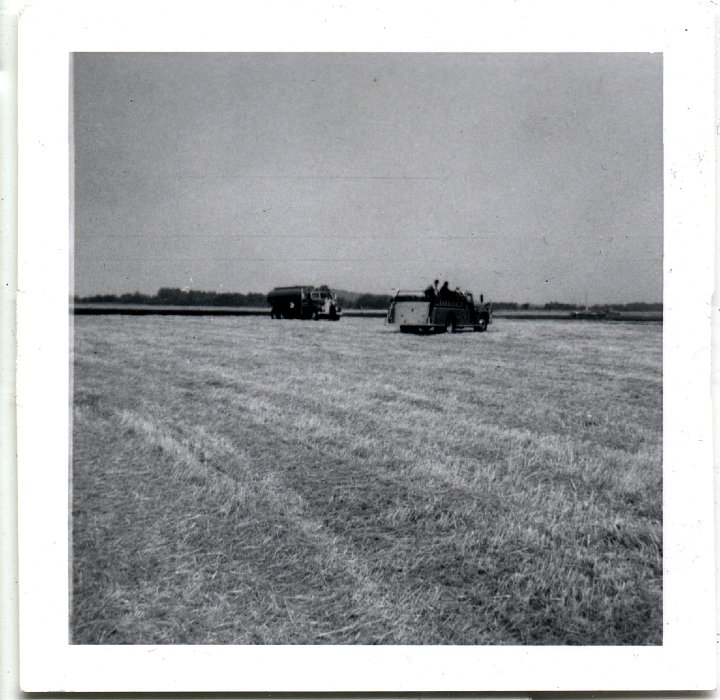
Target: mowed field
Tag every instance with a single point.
(244, 480)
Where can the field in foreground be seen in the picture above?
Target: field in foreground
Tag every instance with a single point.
(243, 480)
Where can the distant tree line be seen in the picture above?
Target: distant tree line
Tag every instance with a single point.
(172, 296)
(350, 300)
(562, 306)
(634, 306)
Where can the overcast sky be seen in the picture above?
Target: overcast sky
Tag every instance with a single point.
(527, 177)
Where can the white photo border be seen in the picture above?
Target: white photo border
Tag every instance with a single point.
(48, 34)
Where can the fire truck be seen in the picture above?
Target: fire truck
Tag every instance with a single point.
(426, 312)
(303, 302)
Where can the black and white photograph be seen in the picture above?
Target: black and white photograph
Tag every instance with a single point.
(471, 453)
(375, 351)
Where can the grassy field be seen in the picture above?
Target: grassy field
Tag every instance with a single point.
(243, 480)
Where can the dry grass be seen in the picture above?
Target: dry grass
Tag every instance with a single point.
(243, 480)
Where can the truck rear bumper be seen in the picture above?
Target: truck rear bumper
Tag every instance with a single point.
(421, 328)
(432, 328)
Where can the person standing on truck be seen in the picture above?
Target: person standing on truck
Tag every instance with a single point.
(431, 295)
(444, 291)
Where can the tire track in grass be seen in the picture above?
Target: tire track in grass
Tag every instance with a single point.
(566, 452)
(345, 510)
(375, 616)
(281, 614)
(415, 529)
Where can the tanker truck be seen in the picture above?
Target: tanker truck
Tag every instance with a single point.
(303, 302)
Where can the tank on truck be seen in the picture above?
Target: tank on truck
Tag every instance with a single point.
(304, 302)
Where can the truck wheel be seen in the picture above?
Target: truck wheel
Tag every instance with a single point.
(450, 324)
(481, 326)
